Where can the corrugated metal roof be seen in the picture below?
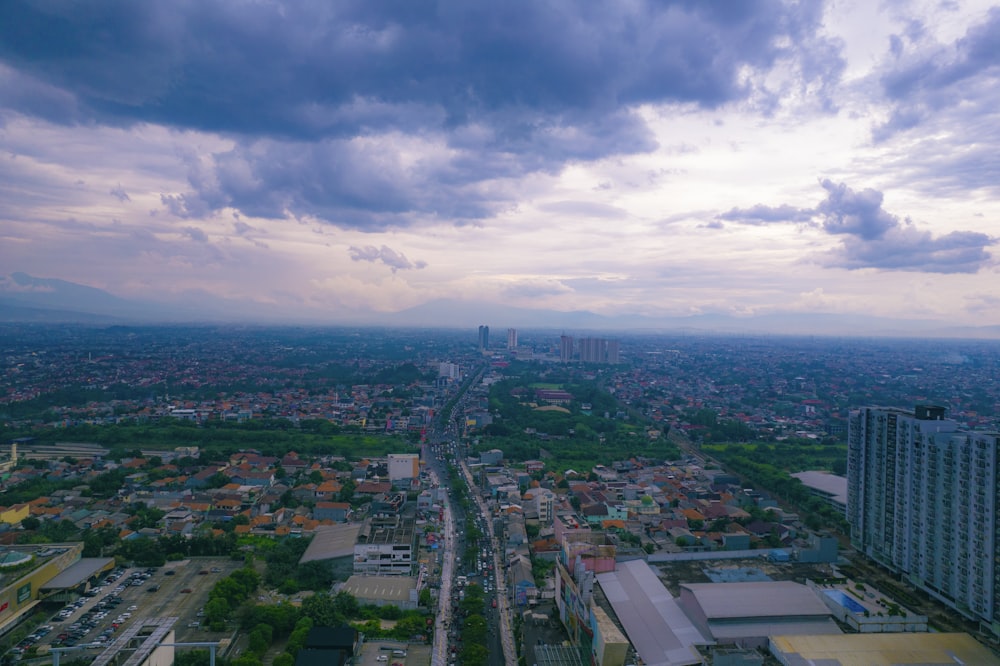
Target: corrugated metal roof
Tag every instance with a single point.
(660, 631)
(758, 599)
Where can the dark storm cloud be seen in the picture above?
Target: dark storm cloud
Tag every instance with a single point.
(874, 237)
(857, 213)
(385, 255)
(511, 87)
(945, 101)
(906, 249)
(920, 79)
(311, 69)
(353, 183)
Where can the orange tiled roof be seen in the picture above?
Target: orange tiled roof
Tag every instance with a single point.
(692, 514)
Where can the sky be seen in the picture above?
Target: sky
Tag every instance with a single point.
(660, 158)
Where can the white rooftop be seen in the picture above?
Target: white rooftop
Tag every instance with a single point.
(756, 600)
(825, 482)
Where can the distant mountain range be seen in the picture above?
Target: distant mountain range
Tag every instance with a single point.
(24, 298)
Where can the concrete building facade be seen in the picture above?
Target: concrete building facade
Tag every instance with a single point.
(403, 466)
(923, 501)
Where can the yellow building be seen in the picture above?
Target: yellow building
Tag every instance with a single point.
(19, 588)
(12, 515)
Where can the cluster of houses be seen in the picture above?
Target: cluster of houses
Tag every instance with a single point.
(282, 496)
(673, 507)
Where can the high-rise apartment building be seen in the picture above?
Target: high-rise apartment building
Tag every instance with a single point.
(511, 338)
(599, 350)
(923, 501)
(565, 348)
(484, 337)
(592, 350)
(614, 352)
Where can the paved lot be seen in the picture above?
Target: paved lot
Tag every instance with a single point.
(416, 655)
(159, 594)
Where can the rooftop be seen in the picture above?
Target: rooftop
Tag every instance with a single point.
(385, 588)
(756, 600)
(660, 631)
(331, 542)
(825, 482)
(882, 649)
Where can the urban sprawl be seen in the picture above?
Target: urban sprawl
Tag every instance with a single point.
(283, 496)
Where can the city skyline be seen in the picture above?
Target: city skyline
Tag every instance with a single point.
(641, 160)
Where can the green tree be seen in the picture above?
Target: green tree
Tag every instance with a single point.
(474, 654)
(217, 610)
(246, 659)
(192, 658)
(321, 610)
(259, 639)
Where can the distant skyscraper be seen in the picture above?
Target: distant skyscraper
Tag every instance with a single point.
(922, 500)
(592, 350)
(599, 350)
(484, 337)
(565, 348)
(614, 352)
(511, 338)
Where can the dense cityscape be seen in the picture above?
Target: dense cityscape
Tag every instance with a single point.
(417, 496)
(524, 333)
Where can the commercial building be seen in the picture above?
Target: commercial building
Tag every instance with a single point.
(923, 501)
(588, 625)
(25, 571)
(484, 337)
(385, 547)
(653, 621)
(745, 614)
(334, 545)
(403, 466)
(511, 338)
(880, 650)
(828, 487)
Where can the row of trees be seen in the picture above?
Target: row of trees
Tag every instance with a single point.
(777, 481)
(274, 436)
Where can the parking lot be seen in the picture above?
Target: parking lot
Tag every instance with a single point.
(392, 653)
(178, 589)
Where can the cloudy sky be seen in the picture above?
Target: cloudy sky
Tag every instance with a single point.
(653, 157)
